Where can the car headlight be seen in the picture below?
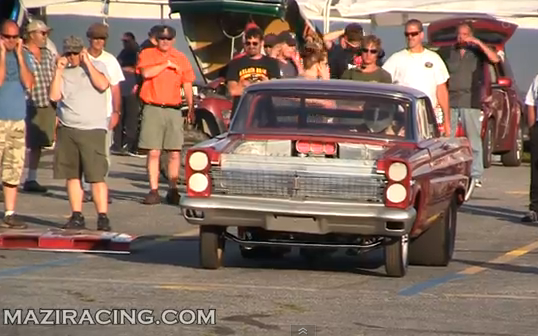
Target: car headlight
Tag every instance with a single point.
(397, 172)
(198, 182)
(396, 193)
(198, 161)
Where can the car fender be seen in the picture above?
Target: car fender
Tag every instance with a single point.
(216, 107)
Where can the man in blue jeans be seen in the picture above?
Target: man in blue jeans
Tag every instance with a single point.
(465, 62)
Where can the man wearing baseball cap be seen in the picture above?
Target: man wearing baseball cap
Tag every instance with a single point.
(40, 113)
(345, 55)
(79, 86)
(97, 35)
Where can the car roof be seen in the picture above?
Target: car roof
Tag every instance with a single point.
(335, 85)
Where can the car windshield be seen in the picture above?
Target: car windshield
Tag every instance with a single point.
(311, 112)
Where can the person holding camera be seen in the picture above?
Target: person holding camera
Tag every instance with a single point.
(79, 87)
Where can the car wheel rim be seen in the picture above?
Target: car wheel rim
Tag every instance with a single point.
(490, 140)
(519, 143)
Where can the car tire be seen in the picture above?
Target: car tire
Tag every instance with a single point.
(488, 144)
(514, 156)
(397, 256)
(212, 243)
(435, 246)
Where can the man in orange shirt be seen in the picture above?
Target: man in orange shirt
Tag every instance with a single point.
(164, 71)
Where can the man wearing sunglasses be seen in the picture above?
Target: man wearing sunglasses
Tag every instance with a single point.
(251, 68)
(165, 70)
(16, 77)
(41, 114)
(421, 69)
(79, 86)
(369, 71)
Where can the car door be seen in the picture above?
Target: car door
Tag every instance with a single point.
(498, 106)
(437, 182)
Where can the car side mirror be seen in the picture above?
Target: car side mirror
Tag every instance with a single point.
(503, 82)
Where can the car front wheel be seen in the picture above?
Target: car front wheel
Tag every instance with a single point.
(396, 256)
(212, 244)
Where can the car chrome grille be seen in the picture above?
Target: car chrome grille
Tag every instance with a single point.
(298, 185)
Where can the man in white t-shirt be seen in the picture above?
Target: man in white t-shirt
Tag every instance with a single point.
(421, 69)
(97, 35)
(530, 100)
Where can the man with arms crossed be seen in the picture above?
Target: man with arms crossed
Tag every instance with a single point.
(165, 70)
(532, 116)
(79, 86)
(465, 65)
(15, 78)
(97, 35)
(421, 69)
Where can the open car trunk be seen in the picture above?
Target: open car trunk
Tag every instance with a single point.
(492, 32)
(214, 28)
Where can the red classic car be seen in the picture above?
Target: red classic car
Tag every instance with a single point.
(503, 123)
(322, 165)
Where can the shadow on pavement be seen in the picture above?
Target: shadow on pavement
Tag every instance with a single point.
(54, 192)
(500, 213)
(500, 267)
(183, 252)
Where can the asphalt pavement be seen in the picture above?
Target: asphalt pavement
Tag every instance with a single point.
(490, 288)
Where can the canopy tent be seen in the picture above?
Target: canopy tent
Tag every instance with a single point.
(379, 13)
(397, 12)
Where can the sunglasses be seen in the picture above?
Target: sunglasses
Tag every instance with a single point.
(413, 34)
(71, 54)
(10, 37)
(165, 38)
(371, 51)
(254, 44)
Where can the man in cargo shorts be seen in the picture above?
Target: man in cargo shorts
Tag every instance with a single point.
(41, 115)
(164, 70)
(79, 86)
(16, 76)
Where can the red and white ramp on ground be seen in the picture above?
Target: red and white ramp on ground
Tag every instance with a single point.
(58, 240)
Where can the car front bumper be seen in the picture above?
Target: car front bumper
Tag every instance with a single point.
(314, 217)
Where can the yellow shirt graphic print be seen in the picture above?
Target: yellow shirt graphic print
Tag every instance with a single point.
(253, 74)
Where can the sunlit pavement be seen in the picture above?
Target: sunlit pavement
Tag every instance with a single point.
(489, 289)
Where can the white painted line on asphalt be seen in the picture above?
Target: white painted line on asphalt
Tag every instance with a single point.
(492, 296)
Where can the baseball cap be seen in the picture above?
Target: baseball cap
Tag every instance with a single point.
(287, 37)
(354, 32)
(97, 30)
(270, 40)
(37, 25)
(73, 44)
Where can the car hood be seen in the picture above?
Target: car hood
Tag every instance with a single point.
(489, 30)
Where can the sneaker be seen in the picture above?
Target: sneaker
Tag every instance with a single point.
(136, 154)
(152, 197)
(12, 222)
(75, 222)
(34, 186)
(172, 196)
(103, 223)
(478, 184)
(530, 217)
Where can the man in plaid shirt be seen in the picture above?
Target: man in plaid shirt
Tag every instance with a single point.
(41, 115)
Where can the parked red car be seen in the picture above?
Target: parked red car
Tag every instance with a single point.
(503, 122)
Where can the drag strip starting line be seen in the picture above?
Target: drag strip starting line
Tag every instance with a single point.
(505, 258)
(15, 271)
